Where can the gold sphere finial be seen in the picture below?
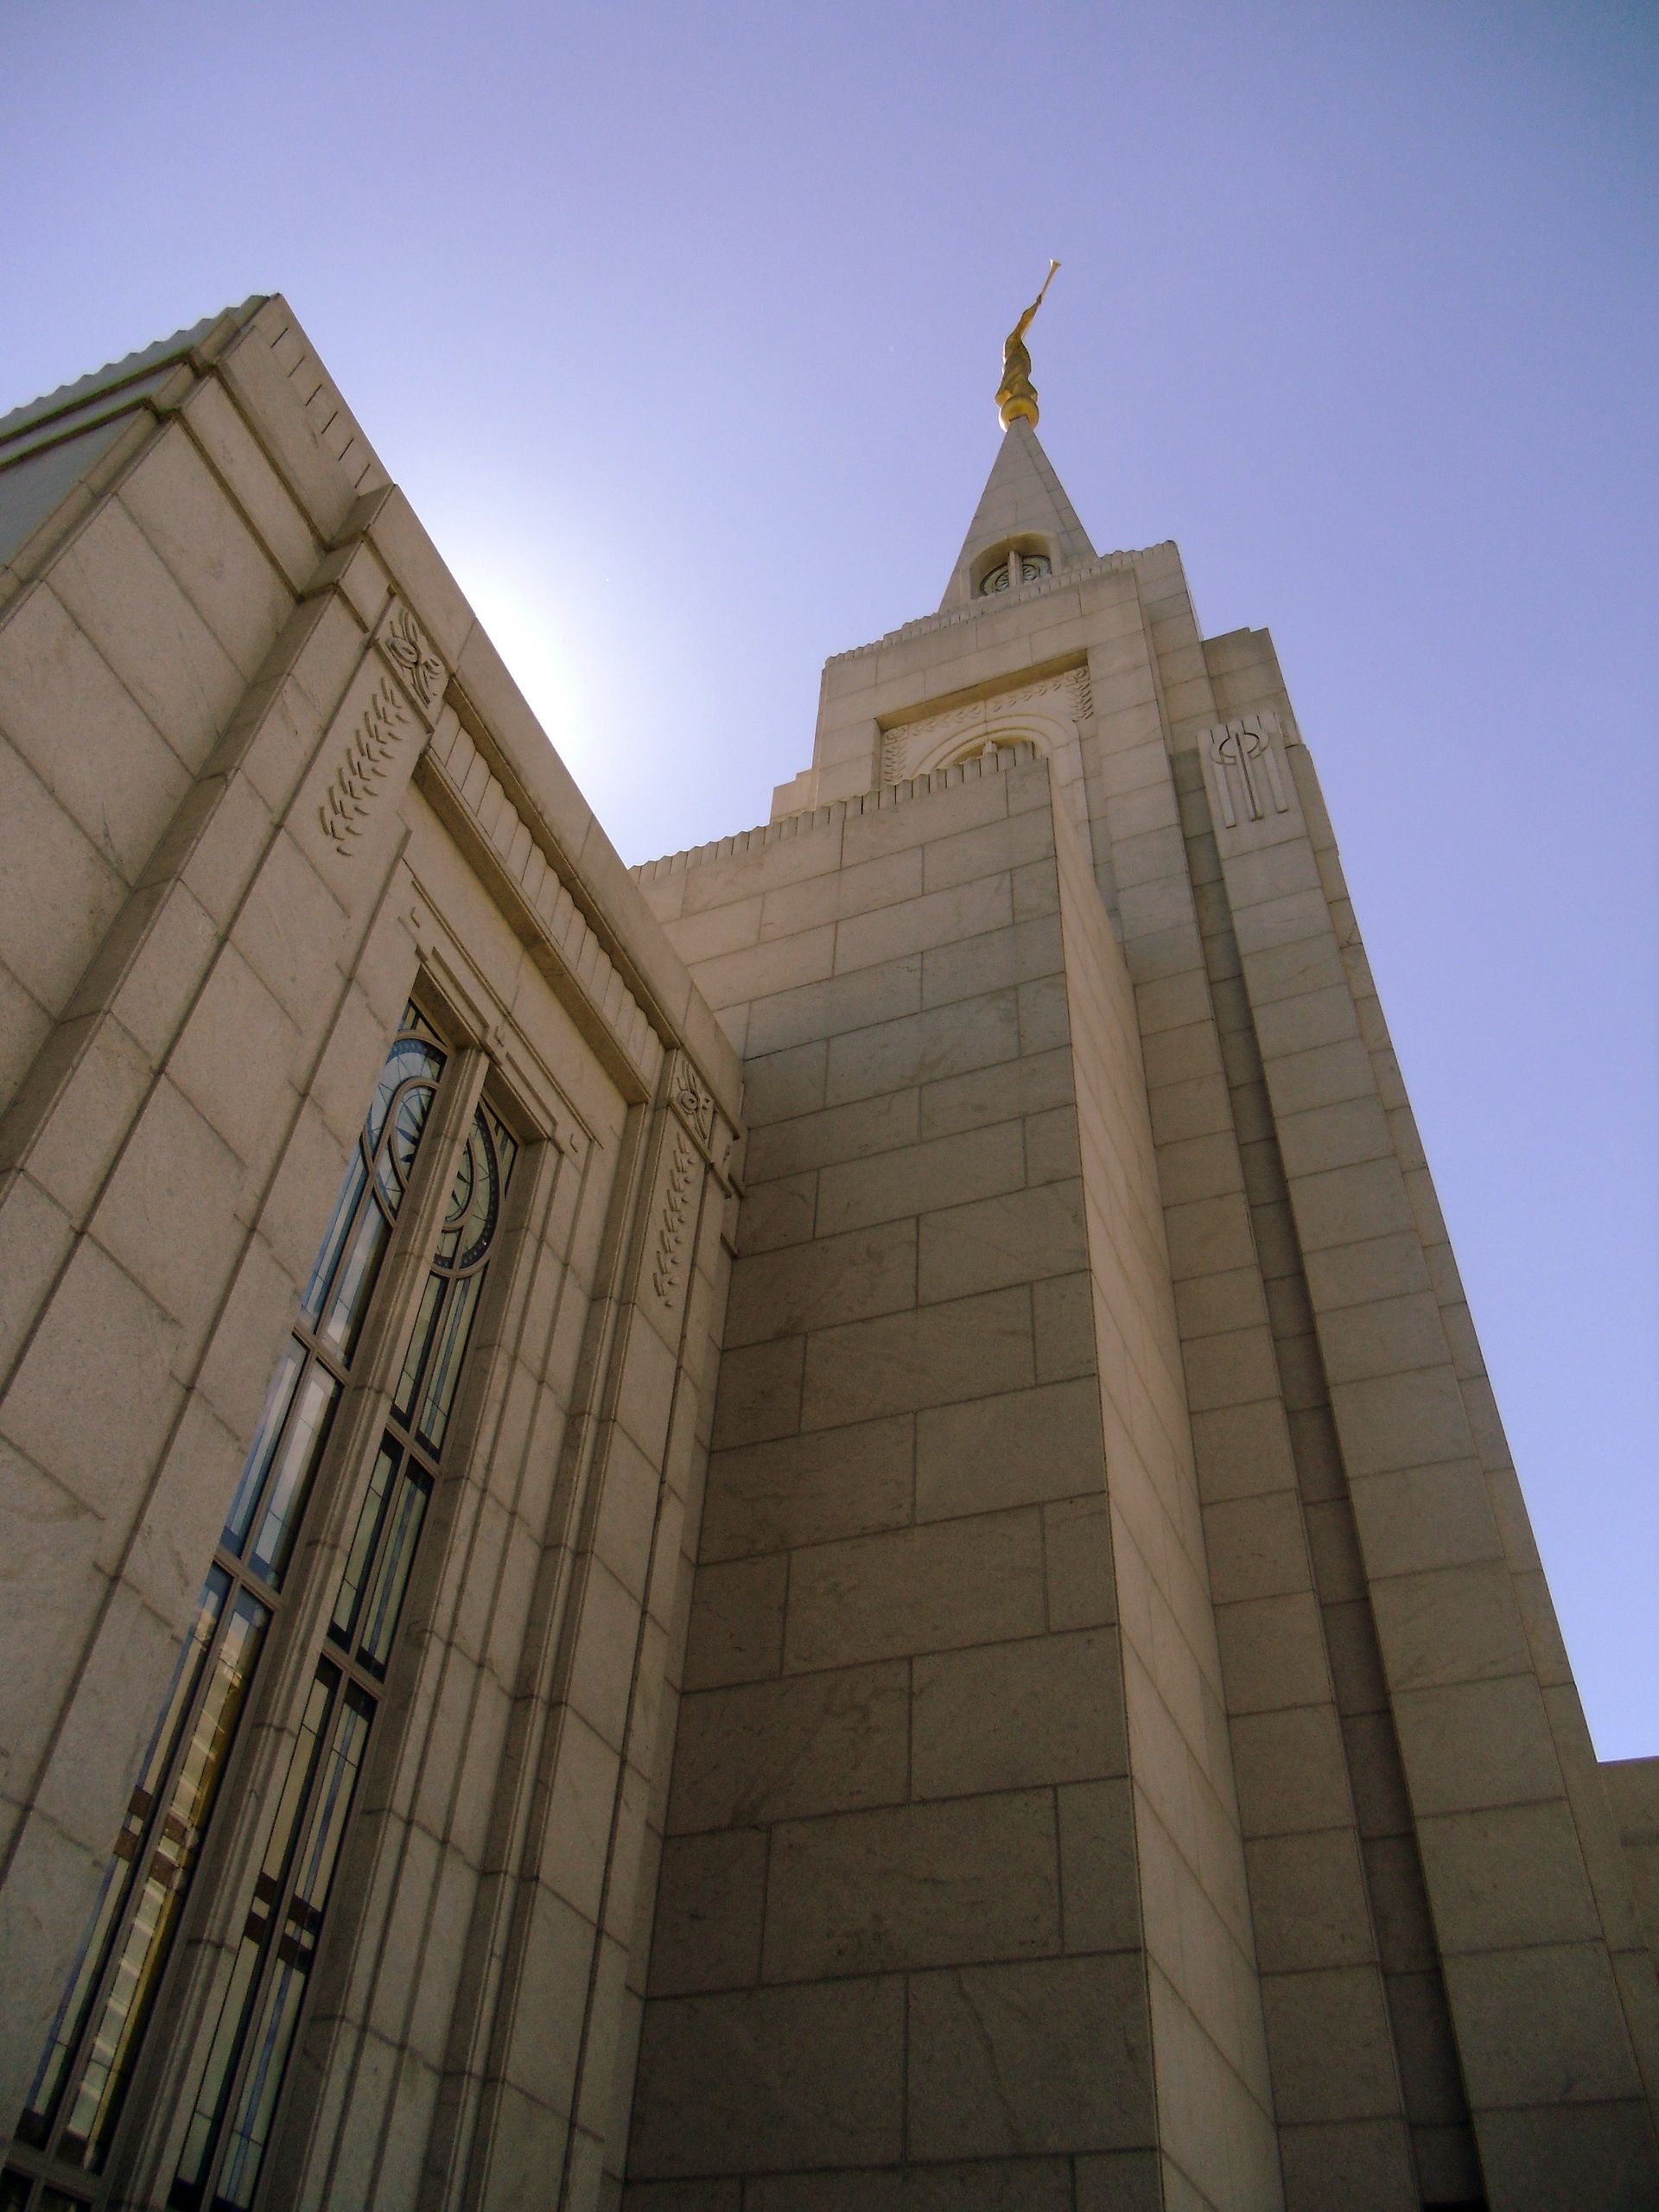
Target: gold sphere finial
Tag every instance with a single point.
(1016, 396)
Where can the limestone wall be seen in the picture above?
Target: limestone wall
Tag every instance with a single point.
(264, 778)
(915, 1912)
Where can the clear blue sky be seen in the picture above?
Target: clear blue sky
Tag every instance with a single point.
(680, 325)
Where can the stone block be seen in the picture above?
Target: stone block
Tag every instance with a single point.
(1008, 2060)
(762, 2079)
(779, 1751)
(1030, 1445)
(85, 736)
(1329, 2041)
(1387, 1336)
(601, 1671)
(924, 1048)
(762, 970)
(1045, 1014)
(1459, 1625)
(921, 1178)
(710, 1904)
(218, 563)
(1014, 1716)
(106, 1348)
(1291, 1770)
(1257, 1548)
(1350, 1205)
(1241, 1451)
(780, 1084)
(1100, 1889)
(1209, 1236)
(804, 1287)
(1125, 2181)
(991, 849)
(807, 1490)
(119, 590)
(1427, 1516)
(1010, 2185)
(1078, 1563)
(759, 1392)
(1507, 1876)
(1019, 956)
(913, 1885)
(777, 1213)
(812, 1011)
(966, 909)
(1571, 2157)
(737, 1622)
(1063, 1315)
(59, 893)
(928, 1589)
(1402, 1421)
(1234, 1368)
(1380, 1267)
(999, 1093)
(1363, 2165)
(1340, 1136)
(1015, 1236)
(1541, 2026)
(940, 1355)
(1273, 1653)
(1473, 1745)
(1053, 1145)
(1308, 1903)
(834, 1135)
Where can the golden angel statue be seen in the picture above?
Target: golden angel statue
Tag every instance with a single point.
(1016, 395)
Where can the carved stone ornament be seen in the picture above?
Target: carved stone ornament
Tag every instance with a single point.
(1069, 694)
(384, 725)
(692, 1100)
(670, 1258)
(1244, 761)
(404, 642)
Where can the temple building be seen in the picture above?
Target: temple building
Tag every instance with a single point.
(816, 1527)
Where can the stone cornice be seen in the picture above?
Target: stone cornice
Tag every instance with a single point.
(1061, 580)
(471, 801)
(842, 810)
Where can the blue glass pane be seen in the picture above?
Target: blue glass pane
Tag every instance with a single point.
(307, 1432)
(278, 1399)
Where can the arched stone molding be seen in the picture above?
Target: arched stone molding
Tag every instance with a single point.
(1047, 714)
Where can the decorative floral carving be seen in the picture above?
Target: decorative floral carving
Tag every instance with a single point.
(386, 722)
(1246, 768)
(421, 669)
(670, 1237)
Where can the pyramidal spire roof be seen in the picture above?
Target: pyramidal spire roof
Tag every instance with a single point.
(1023, 498)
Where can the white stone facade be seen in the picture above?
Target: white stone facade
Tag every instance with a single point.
(1078, 1723)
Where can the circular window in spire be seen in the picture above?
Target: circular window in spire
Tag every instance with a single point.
(1018, 568)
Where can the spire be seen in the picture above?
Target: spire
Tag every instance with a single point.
(1024, 504)
(1023, 508)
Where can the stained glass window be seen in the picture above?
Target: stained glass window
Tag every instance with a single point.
(75, 2101)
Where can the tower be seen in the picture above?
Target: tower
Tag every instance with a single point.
(814, 1527)
(1127, 1746)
